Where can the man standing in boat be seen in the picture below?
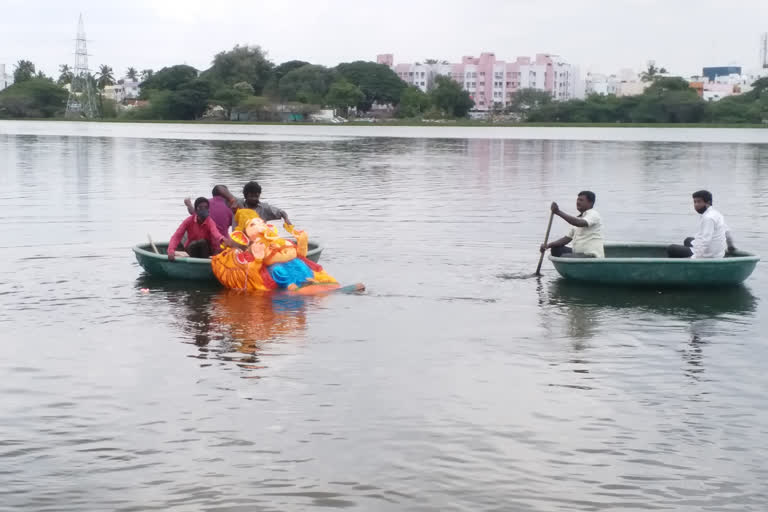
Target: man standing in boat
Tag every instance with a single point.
(713, 239)
(586, 233)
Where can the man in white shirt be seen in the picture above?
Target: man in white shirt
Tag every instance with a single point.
(586, 233)
(712, 240)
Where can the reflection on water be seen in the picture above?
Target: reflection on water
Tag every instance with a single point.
(686, 304)
(228, 325)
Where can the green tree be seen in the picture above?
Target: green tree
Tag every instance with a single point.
(105, 77)
(65, 74)
(25, 70)
(169, 78)
(286, 67)
(132, 74)
(413, 103)
(190, 100)
(245, 88)
(663, 85)
(229, 98)
(109, 108)
(272, 87)
(450, 98)
(652, 72)
(241, 64)
(342, 95)
(378, 82)
(35, 98)
(525, 100)
(307, 84)
(146, 74)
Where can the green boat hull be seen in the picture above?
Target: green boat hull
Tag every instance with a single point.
(190, 269)
(641, 264)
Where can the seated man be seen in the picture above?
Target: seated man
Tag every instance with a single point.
(585, 234)
(222, 202)
(251, 200)
(203, 238)
(713, 240)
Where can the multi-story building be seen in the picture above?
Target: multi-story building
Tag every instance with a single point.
(122, 90)
(5, 79)
(713, 72)
(493, 82)
(604, 85)
(131, 89)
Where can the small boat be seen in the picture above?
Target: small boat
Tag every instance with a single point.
(192, 269)
(647, 264)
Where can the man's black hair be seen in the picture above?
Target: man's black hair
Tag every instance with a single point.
(704, 195)
(589, 195)
(251, 188)
(201, 200)
(215, 192)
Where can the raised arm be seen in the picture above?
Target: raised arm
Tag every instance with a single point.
(227, 195)
(277, 213)
(570, 219)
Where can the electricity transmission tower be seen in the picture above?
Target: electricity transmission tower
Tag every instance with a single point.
(82, 93)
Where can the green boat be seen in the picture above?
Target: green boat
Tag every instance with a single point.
(157, 264)
(644, 264)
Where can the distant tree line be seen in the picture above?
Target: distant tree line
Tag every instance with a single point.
(666, 100)
(244, 79)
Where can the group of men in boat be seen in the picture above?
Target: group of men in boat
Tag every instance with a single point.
(713, 238)
(207, 226)
(209, 220)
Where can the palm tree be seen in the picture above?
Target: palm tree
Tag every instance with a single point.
(652, 73)
(146, 74)
(105, 77)
(65, 74)
(132, 74)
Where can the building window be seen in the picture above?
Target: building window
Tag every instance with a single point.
(482, 84)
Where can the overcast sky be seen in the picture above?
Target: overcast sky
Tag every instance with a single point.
(597, 35)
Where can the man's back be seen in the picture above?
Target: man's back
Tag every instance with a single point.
(221, 214)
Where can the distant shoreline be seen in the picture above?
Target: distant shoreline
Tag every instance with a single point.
(460, 123)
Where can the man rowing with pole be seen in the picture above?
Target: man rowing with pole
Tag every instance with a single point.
(586, 233)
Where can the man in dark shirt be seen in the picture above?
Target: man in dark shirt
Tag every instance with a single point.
(251, 200)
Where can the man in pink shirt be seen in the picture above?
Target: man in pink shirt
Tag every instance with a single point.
(203, 237)
(221, 204)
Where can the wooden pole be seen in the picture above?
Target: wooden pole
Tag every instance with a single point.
(546, 239)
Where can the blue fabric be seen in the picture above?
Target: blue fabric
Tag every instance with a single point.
(292, 272)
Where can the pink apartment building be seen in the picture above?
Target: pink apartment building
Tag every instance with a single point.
(491, 81)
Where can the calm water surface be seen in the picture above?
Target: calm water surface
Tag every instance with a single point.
(452, 384)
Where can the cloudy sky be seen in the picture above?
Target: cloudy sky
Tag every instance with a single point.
(597, 35)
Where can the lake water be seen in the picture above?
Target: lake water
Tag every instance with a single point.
(453, 383)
